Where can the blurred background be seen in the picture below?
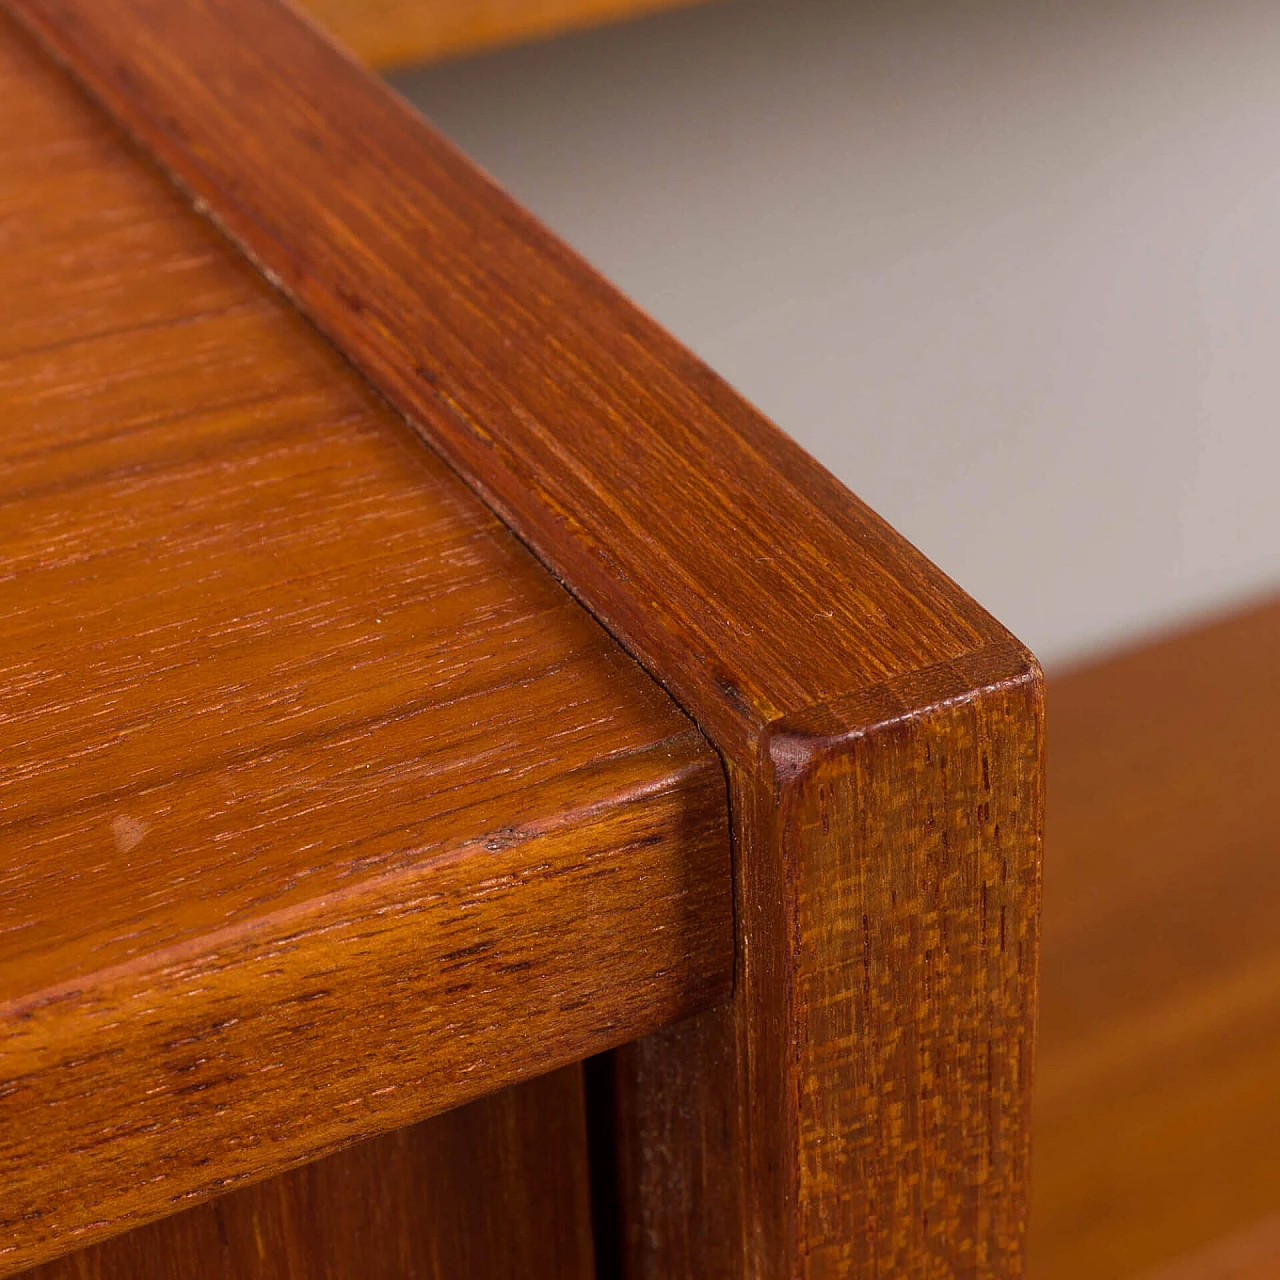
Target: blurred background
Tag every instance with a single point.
(1011, 270)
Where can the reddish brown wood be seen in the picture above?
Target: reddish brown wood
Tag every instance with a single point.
(495, 1190)
(720, 552)
(849, 686)
(1250, 1254)
(1157, 1114)
(325, 808)
(909, 887)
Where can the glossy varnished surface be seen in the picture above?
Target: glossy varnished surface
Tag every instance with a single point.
(726, 558)
(848, 685)
(1158, 1096)
(324, 807)
(496, 1190)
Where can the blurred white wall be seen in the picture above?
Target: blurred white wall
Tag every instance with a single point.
(1010, 269)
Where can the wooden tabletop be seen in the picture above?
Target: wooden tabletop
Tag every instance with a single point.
(324, 806)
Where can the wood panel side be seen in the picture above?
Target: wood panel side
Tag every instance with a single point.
(496, 1190)
(916, 857)
(873, 1072)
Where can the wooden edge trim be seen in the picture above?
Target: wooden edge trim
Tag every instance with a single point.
(739, 571)
(910, 835)
(244, 1053)
(749, 582)
(863, 1107)
(795, 744)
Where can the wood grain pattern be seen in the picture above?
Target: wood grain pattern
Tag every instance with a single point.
(496, 1190)
(1157, 1114)
(395, 32)
(868, 1040)
(549, 392)
(782, 614)
(780, 611)
(325, 808)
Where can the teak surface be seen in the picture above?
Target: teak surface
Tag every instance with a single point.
(1157, 1110)
(881, 732)
(496, 1190)
(325, 807)
(394, 32)
(728, 559)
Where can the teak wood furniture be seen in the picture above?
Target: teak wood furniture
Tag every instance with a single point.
(348, 782)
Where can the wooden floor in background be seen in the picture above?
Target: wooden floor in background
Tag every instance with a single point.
(389, 33)
(1251, 1254)
(1157, 1124)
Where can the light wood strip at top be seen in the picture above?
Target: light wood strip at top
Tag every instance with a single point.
(394, 32)
(323, 807)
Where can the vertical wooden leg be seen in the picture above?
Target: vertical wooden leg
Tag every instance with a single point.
(862, 1108)
(497, 1190)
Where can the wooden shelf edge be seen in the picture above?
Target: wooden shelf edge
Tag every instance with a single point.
(750, 583)
(279, 1040)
